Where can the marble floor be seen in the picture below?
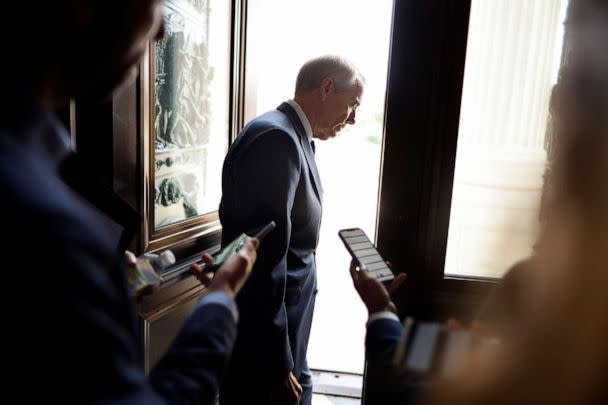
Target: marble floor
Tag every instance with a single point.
(332, 388)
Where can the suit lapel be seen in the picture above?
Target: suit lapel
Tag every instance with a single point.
(286, 109)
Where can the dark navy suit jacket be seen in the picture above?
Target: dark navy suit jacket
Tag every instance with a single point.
(270, 174)
(71, 328)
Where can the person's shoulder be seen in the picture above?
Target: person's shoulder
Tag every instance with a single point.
(53, 229)
(44, 209)
(271, 130)
(273, 120)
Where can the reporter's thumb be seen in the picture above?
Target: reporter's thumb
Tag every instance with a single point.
(249, 249)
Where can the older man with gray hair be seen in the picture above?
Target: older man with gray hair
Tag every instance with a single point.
(270, 174)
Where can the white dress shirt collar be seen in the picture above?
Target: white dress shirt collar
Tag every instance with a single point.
(303, 118)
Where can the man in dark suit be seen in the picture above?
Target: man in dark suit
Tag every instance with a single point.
(72, 331)
(270, 174)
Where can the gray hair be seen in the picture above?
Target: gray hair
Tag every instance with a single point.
(344, 74)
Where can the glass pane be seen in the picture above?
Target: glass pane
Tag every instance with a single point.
(349, 165)
(190, 109)
(513, 54)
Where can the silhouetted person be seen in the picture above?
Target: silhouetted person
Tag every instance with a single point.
(72, 329)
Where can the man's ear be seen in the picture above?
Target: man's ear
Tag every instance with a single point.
(327, 87)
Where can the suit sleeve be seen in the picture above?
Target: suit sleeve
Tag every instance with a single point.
(383, 385)
(94, 342)
(264, 176)
(190, 370)
(75, 334)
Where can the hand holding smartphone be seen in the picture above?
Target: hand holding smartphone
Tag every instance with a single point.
(364, 252)
(231, 249)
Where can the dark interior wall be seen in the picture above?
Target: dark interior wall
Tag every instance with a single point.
(94, 143)
(97, 170)
(126, 159)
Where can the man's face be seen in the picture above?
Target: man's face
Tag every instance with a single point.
(338, 110)
(111, 57)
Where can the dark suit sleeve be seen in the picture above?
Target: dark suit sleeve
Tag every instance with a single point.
(91, 351)
(383, 385)
(381, 341)
(264, 176)
(190, 371)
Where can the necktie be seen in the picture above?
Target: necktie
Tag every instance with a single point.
(312, 145)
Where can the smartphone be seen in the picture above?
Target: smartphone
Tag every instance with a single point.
(364, 252)
(233, 247)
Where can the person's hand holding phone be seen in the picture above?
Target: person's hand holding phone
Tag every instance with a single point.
(373, 293)
(365, 254)
(205, 271)
(231, 275)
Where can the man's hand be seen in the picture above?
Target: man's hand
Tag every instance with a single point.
(287, 392)
(374, 295)
(231, 276)
(199, 272)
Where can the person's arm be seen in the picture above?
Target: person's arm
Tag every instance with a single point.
(264, 176)
(383, 326)
(383, 385)
(94, 337)
(191, 368)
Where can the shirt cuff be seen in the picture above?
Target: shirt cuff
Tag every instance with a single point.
(220, 298)
(382, 315)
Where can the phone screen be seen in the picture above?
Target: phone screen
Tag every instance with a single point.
(227, 252)
(223, 255)
(363, 251)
